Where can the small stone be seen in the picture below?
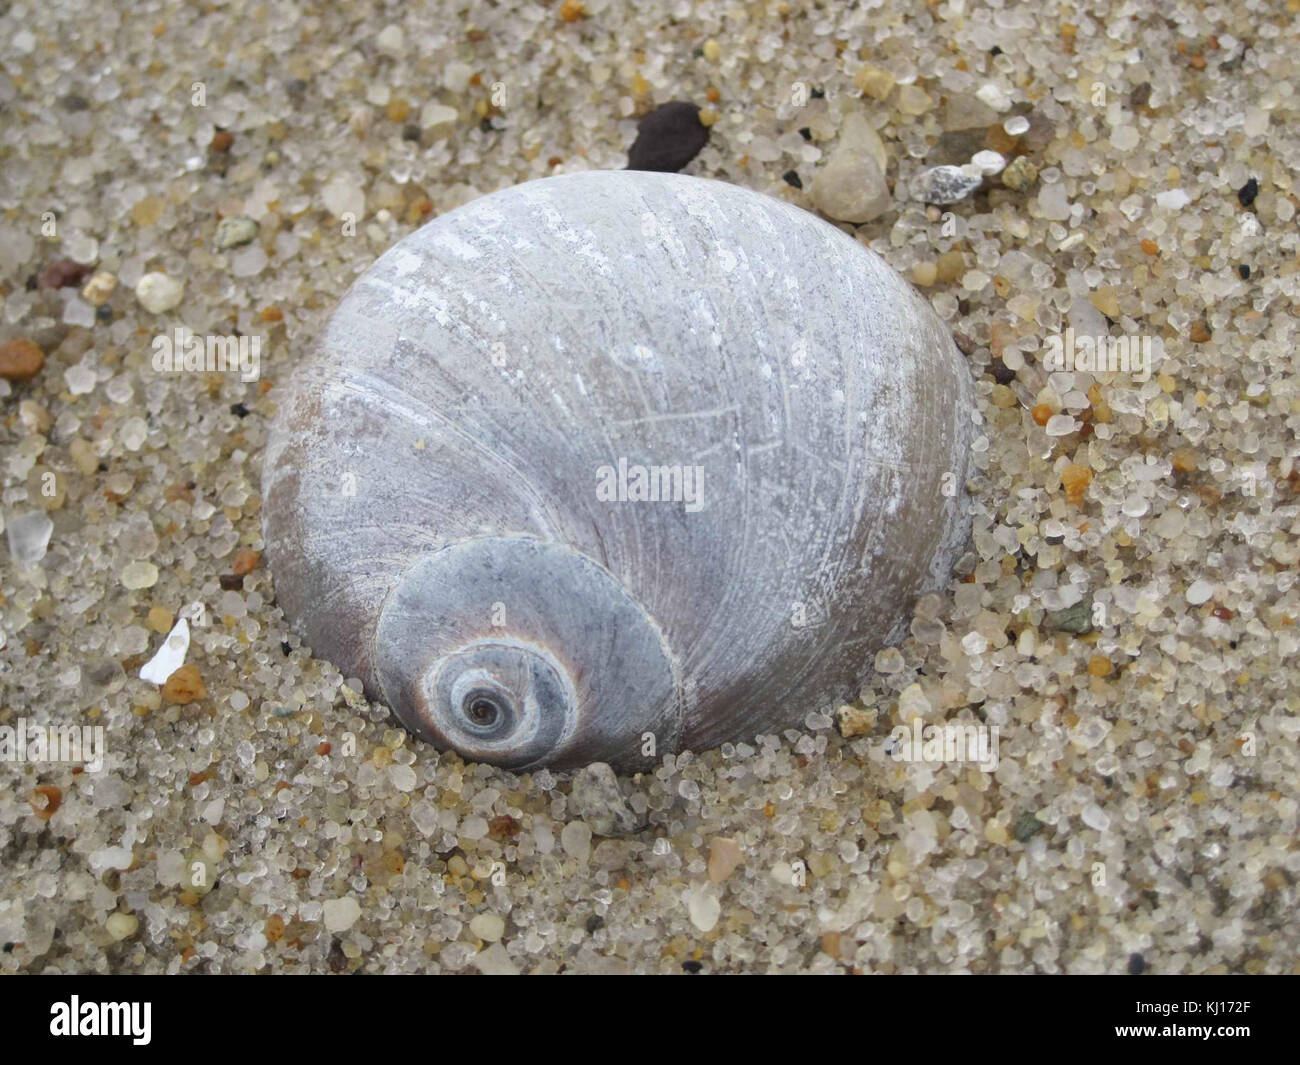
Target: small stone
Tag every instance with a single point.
(850, 187)
(438, 119)
(1099, 666)
(855, 720)
(874, 81)
(159, 619)
(924, 274)
(575, 838)
(184, 686)
(29, 536)
(1199, 591)
(725, 856)
(573, 10)
(1076, 479)
(1106, 300)
(62, 273)
(487, 927)
(20, 359)
(712, 50)
(99, 288)
(913, 100)
(139, 575)
(989, 162)
(596, 799)
(245, 561)
(494, 961)
(1173, 199)
(1027, 826)
(391, 40)
(45, 801)
(343, 196)
(341, 914)
(704, 908)
(148, 211)
(1075, 619)
(889, 660)
(668, 138)
(1199, 333)
(1020, 173)
(1136, 965)
(1016, 125)
(1247, 193)
(402, 777)
(159, 293)
(950, 266)
(121, 926)
(233, 232)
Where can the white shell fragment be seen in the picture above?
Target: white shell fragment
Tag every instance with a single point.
(170, 656)
(613, 464)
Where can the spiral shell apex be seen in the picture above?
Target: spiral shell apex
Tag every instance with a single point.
(612, 464)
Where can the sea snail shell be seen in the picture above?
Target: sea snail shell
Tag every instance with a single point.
(454, 511)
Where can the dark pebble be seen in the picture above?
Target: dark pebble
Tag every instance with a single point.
(1027, 827)
(61, 273)
(239, 410)
(668, 138)
(74, 102)
(995, 50)
(806, 133)
(284, 646)
(1136, 965)
(1076, 619)
(792, 178)
(1002, 373)
(231, 582)
(692, 966)
(1139, 96)
(817, 94)
(104, 313)
(338, 961)
(410, 132)
(295, 86)
(486, 125)
(1247, 193)
(595, 923)
(1243, 271)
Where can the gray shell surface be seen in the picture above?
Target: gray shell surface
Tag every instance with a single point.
(437, 508)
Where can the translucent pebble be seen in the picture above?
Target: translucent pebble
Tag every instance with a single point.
(704, 908)
(340, 914)
(344, 196)
(487, 926)
(29, 536)
(139, 575)
(80, 378)
(1125, 138)
(133, 433)
(688, 790)
(1016, 125)
(575, 838)
(402, 777)
(473, 827)
(1095, 817)
(974, 644)
(1060, 425)
(889, 660)
(248, 262)
(1199, 591)
(425, 818)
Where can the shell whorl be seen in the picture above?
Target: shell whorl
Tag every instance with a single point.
(432, 482)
